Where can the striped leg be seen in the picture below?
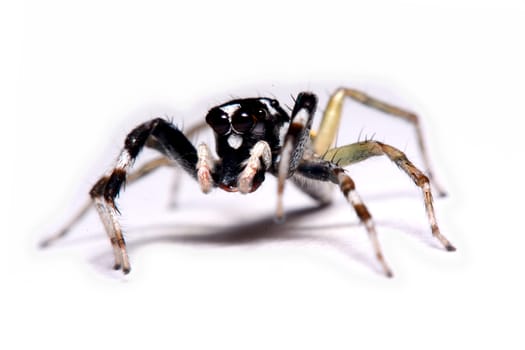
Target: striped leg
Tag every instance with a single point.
(108, 212)
(294, 143)
(144, 170)
(347, 186)
(330, 124)
(323, 172)
(168, 139)
(356, 152)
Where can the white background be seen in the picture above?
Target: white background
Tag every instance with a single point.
(217, 272)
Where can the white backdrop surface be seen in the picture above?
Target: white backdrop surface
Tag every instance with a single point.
(216, 272)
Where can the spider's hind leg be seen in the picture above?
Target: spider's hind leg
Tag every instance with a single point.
(329, 126)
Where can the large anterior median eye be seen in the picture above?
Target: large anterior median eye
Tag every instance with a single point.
(243, 122)
(218, 120)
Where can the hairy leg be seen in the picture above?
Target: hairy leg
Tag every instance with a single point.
(295, 143)
(167, 139)
(145, 169)
(322, 172)
(327, 132)
(360, 151)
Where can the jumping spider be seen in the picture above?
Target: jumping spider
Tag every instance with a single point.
(256, 136)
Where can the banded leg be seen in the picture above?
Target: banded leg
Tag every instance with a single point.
(357, 152)
(173, 144)
(294, 144)
(145, 169)
(330, 123)
(347, 186)
(323, 171)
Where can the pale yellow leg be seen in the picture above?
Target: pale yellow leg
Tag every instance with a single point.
(326, 135)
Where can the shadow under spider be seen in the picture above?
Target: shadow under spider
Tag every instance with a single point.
(263, 229)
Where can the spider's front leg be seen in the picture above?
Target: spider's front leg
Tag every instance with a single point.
(145, 169)
(294, 143)
(168, 140)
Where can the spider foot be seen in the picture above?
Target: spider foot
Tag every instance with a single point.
(386, 269)
(46, 242)
(125, 268)
(50, 240)
(444, 241)
(279, 211)
(449, 247)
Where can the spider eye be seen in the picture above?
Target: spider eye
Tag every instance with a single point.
(219, 122)
(261, 114)
(243, 122)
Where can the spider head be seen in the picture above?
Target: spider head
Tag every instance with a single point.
(239, 124)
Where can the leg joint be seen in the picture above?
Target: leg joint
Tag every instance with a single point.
(98, 189)
(114, 183)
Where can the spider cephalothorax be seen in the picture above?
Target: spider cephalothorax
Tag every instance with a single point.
(256, 136)
(238, 125)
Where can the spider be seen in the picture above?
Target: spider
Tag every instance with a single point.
(255, 137)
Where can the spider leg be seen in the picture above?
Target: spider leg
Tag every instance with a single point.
(173, 144)
(319, 170)
(357, 152)
(175, 185)
(295, 142)
(145, 169)
(330, 123)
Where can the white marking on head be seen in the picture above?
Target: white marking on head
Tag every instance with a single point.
(230, 109)
(268, 105)
(235, 141)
